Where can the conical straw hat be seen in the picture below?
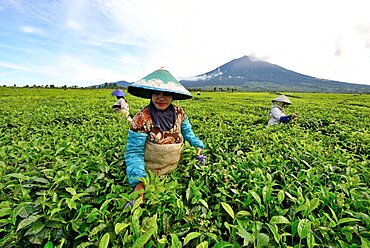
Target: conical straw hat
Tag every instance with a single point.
(159, 80)
(282, 98)
(118, 92)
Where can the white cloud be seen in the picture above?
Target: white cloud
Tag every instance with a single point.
(205, 77)
(70, 70)
(364, 32)
(15, 67)
(73, 25)
(29, 29)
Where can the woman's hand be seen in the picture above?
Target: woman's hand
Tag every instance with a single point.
(140, 186)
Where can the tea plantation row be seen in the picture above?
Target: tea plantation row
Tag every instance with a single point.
(304, 184)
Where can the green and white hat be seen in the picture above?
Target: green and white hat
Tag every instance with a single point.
(159, 80)
(282, 98)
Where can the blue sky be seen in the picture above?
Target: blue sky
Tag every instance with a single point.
(86, 42)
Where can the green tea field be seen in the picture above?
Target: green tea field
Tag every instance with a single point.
(301, 184)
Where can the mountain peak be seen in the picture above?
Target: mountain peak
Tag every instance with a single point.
(249, 73)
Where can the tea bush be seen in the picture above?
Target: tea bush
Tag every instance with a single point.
(303, 184)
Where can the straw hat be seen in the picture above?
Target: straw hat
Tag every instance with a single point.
(159, 80)
(118, 92)
(282, 98)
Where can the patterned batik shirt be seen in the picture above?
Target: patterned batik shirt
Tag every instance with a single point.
(142, 122)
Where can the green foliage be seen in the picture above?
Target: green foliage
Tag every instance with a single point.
(304, 184)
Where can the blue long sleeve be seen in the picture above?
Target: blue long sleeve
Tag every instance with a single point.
(285, 119)
(134, 157)
(188, 134)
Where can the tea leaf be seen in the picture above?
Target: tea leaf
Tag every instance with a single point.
(256, 197)
(71, 203)
(290, 196)
(314, 203)
(5, 211)
(213, 236)
(191, 236)
(279, 220)
(119, 227)
(140, 242)
(204, 203)
(49, 244)
(202, 245)
(72, 191)
(365, 242)
(248, 238)
(242, 214)
(301, 208)
(28, 221)
(344, 220)
(228, 209)
(6, 204)
(23, 210)
(223, 244)
(304, 227)
(281, 196)
(262, 239)
(275, 233)
(35, 229)
(151, 243)
(264, 193)
(104, 206)
(18, 176)
(97, 229)
(84, 245)
(104, 242)
(334, 215)
(310, 240)
(174, 241)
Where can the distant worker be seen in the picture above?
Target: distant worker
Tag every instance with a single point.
(121, 105)
(277, 114)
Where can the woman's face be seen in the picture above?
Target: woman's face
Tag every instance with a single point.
(161, 100)
(281, 104)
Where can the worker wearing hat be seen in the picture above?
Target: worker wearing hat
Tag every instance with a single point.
(158, 131)
(121, 105)
(277, 114)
